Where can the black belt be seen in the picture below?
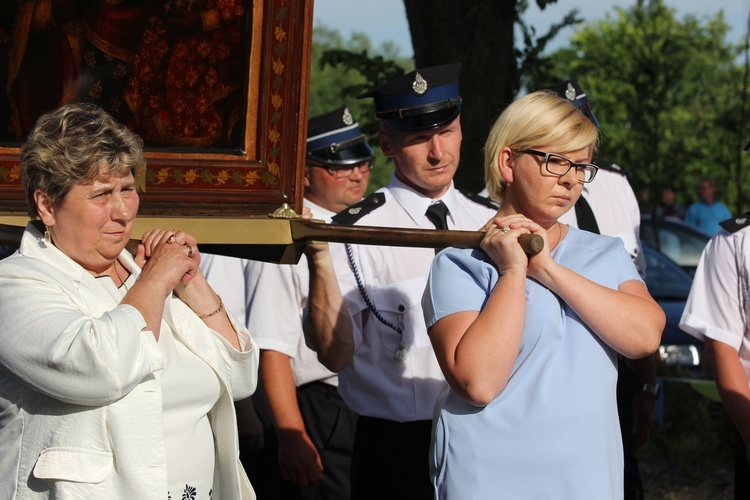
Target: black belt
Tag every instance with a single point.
(327, 389)
(384, 423)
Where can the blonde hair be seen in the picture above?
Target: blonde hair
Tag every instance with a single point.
(536, 120)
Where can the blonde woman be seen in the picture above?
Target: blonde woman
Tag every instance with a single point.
(528, 345)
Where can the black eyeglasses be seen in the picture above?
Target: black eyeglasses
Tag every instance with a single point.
(343, 171)
(559, 165)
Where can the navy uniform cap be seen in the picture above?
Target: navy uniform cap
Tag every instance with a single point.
(424, 99)
(334, 138)
(570, 90)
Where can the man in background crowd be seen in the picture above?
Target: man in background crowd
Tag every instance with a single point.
(707, 212)
(668, 206)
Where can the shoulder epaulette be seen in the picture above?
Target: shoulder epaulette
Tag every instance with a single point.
(350, 215)
(480, 200)
(612, 167)
(736, 223)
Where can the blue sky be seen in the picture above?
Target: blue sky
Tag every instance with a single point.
(385, 20)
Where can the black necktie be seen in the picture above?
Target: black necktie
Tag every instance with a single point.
(438, 213)
(585, 216)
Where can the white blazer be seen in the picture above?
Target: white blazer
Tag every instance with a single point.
(80, 389)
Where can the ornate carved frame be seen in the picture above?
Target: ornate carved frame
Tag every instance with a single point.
(267, 171)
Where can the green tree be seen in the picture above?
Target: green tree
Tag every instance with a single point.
(480, 34)
(343, 69)
(477, 33)
(668, 94)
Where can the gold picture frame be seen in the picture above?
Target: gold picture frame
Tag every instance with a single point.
(250, 177)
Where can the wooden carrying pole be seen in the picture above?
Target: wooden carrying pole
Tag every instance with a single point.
(283, 240)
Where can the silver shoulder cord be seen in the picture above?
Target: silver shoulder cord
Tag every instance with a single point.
(401, 353)
(742, 283)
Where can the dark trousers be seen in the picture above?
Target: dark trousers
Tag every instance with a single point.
(627, 387)
(331, 426)
(391, 460)
(262, 467)
(741, 471)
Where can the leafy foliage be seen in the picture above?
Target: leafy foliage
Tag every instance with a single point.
(668, 94)
(530, 56)
(343, 69)
(477, 33)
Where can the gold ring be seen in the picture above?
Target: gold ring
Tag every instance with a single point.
(505, 229)
(190, 251)
(171, 239)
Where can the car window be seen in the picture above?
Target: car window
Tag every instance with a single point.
(664, 278)
(677, 240)
(682, 247)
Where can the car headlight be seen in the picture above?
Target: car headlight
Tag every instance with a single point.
(684, 355)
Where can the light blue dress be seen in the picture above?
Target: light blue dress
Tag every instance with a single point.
(553, 433)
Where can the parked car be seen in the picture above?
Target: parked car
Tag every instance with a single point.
(669, 284)
(678, 240)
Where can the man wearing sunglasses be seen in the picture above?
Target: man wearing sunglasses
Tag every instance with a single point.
(311, 431)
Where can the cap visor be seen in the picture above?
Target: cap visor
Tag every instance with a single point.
(357, 153)
(427, 121)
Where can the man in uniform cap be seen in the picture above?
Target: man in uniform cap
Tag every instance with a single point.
(365, 303)
(421, 100)
(314, 426)
(335, 141)
(609, 206)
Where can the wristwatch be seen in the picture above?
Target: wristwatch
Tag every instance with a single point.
(653, 389)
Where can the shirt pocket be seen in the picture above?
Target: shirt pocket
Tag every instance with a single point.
(78, 465)
(400, 305)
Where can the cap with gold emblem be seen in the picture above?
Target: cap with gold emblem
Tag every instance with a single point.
(423, 99)
(570, 90)
(334, 138)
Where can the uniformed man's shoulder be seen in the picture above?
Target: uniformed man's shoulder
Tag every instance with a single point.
(734, 224)
(480, 200)
(610, 166)
(351, 215)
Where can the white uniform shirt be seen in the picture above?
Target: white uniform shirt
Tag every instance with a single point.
(615, 207)
(715, 307)
(376, 383)
(271, 298)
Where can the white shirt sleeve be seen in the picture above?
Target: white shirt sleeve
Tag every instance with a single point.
(714, 307)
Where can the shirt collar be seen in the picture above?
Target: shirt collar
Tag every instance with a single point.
(318, 212)
(416, 203)
(33, 245)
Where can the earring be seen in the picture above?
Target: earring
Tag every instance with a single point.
(47, 236)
